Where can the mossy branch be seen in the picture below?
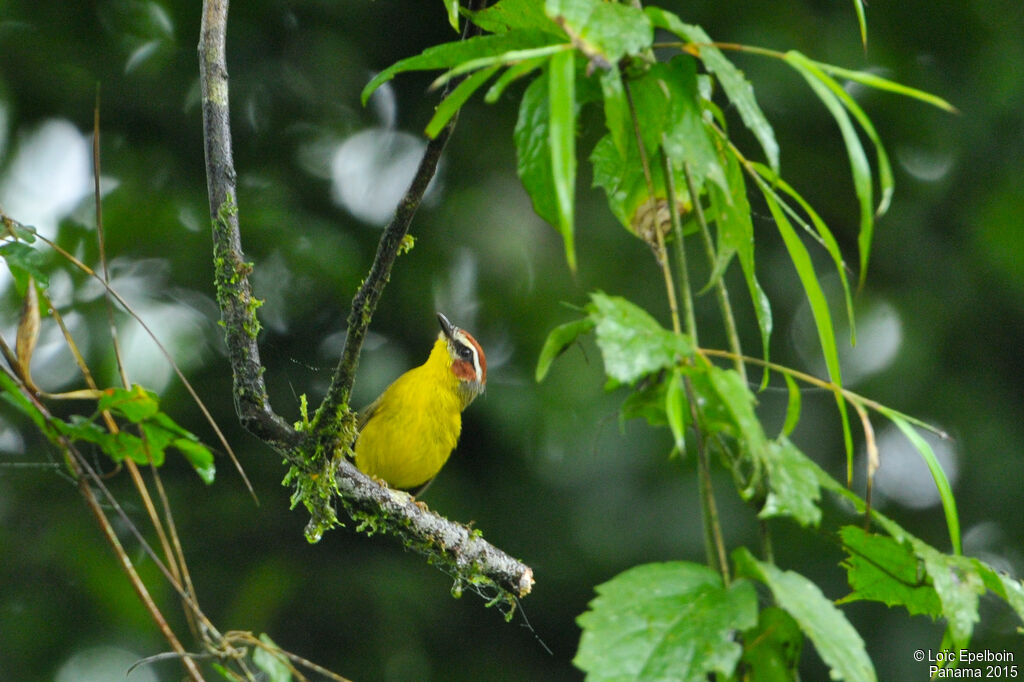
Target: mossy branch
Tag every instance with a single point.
(318, 474)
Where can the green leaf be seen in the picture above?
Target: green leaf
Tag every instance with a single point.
(271, 661)
(836, 641)
(646, 402)
(198, 455)
(881, 569)
(736, 236)
(632, 342)
(675, 410)
(664, 621)
(509, 15)
(533, 149)
(562, 143)
(606, 31)
(451, 104)
(959, 584)
(792, 406)
(737, 88)
(739, 401)
(793, 488)
(24, 261)
(616, 110)
(511, 74)
(821, 233)
(858, 7)
(819, 309)
(859, 165)
(939, 476)
(452, 8)
(452, 54)
(771, 651)
(686, 138)
(13, 395)
(135, 404)
(560, 338)
(873, 81)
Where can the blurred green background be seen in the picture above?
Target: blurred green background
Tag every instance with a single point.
(547, 471)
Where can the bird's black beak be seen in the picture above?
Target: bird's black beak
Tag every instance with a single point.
(447, 327)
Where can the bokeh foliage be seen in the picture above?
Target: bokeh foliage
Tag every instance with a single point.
(543, 469)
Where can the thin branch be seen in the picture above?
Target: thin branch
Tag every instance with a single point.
(452, 546)
(234, 293)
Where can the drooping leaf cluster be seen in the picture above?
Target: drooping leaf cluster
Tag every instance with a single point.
(672, 174)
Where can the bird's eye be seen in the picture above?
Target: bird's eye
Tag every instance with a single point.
(465, 353)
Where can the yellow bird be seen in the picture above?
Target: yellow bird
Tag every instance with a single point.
(407, 434)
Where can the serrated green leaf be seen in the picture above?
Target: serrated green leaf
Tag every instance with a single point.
(792, 406)
(603, 29)
(562, 143)
(793, 488)
(958, 584)
(451, 104)
(881, 569)
(449, 55)
(771, 651)
(836, 641)
(737, 88)
(135, 404)
(664, 621)
(675, 406)
(632, 342)
(560, 338)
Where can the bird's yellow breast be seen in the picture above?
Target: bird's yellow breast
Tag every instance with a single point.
(414, 425)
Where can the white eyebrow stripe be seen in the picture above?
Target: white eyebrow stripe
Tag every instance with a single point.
(468, 341)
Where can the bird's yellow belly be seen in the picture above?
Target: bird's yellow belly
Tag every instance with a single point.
(407, 449)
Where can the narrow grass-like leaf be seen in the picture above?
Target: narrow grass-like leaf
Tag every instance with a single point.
(877, 82)
(737, 88)
(792, 406)
(560, 338)
(451, 104)
(562, 141)
(510, 75)
(448, 55)
(836, 641)
(819, 310)
(505, 58)
(616, 110)
(675, 404)
(886, 182)
(821, 233)
(862, 22)
(859, 165)
(941, 482)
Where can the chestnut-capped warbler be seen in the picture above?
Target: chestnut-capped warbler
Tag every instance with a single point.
(407, 434)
